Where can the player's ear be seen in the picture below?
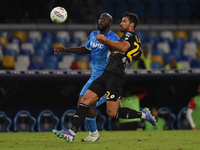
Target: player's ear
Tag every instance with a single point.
(132, 25)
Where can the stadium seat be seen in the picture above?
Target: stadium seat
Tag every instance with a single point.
(57, 45)
(51, 62)
(47, 121)
(176, 53)
(66, 119)
(35, 34)
(1, 54)
(152, 40)
(168, 116)
(157, 58)
(182, 121)
(113, 124)
(167, 34)
(178, 43)
(5, 122)
(61, 40)
(181, 34)
(66, 62)
(100, 120)
(4, 41)
(195, 40)
(63, 34)
(28, 46)
(13, 46)
(82, 35)
(196, 34)
(22, 63)
(141, 35)
(26, 52)
(9, 52)
(35, 66)
(33, 41)
(8, 62)
(164, 46)
(75, 42)
(23, 121)
(15, 40)
(22, 35)
(48, 34)
(82, 65)
(190, 49)
(156, 65)
(158, 52)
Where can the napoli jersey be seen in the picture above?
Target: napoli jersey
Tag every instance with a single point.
(100, 55)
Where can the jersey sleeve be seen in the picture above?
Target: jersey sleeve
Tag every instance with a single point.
(191, 104)
(87, 45)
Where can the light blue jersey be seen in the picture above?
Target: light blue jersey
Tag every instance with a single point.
(100, 55)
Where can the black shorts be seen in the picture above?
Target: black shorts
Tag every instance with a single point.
(109, 83)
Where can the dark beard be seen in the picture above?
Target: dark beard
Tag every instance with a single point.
(103, 28)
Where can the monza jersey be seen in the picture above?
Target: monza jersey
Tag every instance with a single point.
(100, 54)
(118, 59)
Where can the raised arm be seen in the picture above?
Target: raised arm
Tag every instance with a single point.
(77, 50)
(122, 46)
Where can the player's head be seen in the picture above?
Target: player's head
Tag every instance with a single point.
(129, 22)
(105, 22)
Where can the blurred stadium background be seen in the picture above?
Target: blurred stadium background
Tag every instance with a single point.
(34, 80)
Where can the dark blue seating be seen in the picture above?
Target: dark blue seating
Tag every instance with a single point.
(23, 121)
(61, 40)
(10, 52)
(168, 116)
(33, 41)
(47, 121)
(5, 122)
(100, 120)
(35, 66)
(182, 121)
(156, 65)
(51, 62)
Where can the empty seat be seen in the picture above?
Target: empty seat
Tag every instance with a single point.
(10, 53)
(167, 34)
(178, 43)
(82, 35)
(4, 41)
(22, 35)
(35, 34)
(141, 35)
(5, 122)
(75, 42)
(28, 46)
(8, 62)
(33, 41)
(15, 40)
(47, 121)
(22, 62)
(66, 119)
(23, 121)
(39, 59)
(35, 66)
(13, 46)
(182, 121)
(164, 46)
(168, 116)
(51, 62)
(190, 49)
(63, 34)
(66, 62)
(196, 34)
(181, 34)
(61, 40)
(82, 65)
(100, 121)
(155, 65)
(157, 58)
(55, 45)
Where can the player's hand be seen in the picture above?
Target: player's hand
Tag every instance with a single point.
(101, 38)
(59, 49)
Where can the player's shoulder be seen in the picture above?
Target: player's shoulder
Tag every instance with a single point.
(93, 33)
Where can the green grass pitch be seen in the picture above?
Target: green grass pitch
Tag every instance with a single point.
(110, 140)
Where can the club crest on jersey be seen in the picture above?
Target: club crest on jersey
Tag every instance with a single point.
(94, 45)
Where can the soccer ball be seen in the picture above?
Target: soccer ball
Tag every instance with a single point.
(58, 15)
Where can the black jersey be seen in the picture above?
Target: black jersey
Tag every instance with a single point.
(118, 59)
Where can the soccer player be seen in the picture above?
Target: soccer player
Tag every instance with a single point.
(193, 111)
(100, 55)
(111, 82)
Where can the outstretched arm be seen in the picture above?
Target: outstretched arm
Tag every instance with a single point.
(77, 50)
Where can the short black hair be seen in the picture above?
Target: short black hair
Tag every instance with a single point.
(133, 18)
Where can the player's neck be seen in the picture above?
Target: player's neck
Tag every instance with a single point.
(105, 31)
